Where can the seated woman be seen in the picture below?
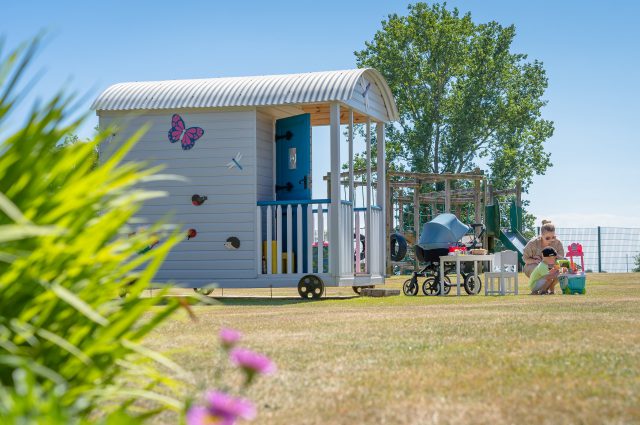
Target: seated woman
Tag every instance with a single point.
(532, 255)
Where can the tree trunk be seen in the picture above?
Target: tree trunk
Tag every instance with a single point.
(436, 148)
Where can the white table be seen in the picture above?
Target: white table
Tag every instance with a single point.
(459, 259)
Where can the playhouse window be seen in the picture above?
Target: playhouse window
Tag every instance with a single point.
(292, 158)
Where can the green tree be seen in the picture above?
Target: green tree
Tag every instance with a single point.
(462, 95)
(637, 263)
(73, 139)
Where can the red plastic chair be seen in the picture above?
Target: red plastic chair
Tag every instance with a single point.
(575, 250)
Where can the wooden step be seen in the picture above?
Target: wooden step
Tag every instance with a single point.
(379, 292)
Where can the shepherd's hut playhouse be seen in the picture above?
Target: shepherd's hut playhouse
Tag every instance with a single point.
(244, 146)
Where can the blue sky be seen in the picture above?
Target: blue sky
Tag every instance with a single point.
(589, 49)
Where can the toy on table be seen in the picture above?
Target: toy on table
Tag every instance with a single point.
(575, 250)
(573, 282)
(567, 266)
(457, 249)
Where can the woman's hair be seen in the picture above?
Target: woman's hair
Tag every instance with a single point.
(547, 226)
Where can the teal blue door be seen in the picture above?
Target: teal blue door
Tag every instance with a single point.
(293, 158)
(293, 173)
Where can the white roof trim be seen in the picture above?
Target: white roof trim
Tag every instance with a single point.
(270, 90)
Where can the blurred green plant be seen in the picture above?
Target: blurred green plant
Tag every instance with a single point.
(70, 349)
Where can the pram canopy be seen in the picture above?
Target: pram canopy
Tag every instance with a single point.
(442, 231)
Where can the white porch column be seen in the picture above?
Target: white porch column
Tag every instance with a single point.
(334, 225)
(351, 158)
(368, 141)
(367, 219)
(382, 195)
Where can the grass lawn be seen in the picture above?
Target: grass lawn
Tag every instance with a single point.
(422, 360)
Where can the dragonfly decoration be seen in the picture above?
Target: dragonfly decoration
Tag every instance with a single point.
(235, 162)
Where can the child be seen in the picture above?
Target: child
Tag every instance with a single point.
(545, 276)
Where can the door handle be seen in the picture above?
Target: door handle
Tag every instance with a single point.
(303, 181)
(286, 187)
(287, 136)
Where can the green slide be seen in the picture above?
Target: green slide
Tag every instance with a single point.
(514, 241)
(511, 238)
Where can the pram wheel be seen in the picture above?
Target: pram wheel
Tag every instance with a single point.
(431, 287)
(472, 284)
(410, 287)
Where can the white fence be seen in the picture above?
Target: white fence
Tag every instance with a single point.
(367, 230)
(299, 232)
(309, 218)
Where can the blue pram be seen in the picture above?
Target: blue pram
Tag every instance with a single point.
(437, 236)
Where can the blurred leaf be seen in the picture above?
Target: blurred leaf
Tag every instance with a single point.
(70, 349)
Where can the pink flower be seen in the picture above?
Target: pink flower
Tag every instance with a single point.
(224, 405)
(229, 337)
(252, 363)
(199, 415)
(221, 409)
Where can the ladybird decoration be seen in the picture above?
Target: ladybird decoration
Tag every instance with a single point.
(198, 200)
(191, 233)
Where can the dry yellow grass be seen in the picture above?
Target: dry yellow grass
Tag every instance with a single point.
(428, 360)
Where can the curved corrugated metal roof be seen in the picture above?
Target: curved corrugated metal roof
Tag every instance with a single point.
(266, 90)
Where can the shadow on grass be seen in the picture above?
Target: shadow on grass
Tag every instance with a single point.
(268, 301)
(249, 301)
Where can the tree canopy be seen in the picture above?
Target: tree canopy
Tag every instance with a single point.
(462, 94)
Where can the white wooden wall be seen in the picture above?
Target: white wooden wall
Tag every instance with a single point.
(265, 145)
(376, 106)
(230, 209)
(264, 149)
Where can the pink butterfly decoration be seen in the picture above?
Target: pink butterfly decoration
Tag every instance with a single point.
(187, 136)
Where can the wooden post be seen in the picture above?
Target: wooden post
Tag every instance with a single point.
(400, 217)
(492, 194)
(335, 189)
(476, 201)
(519, 194)
(447, 196)
(485, 202)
